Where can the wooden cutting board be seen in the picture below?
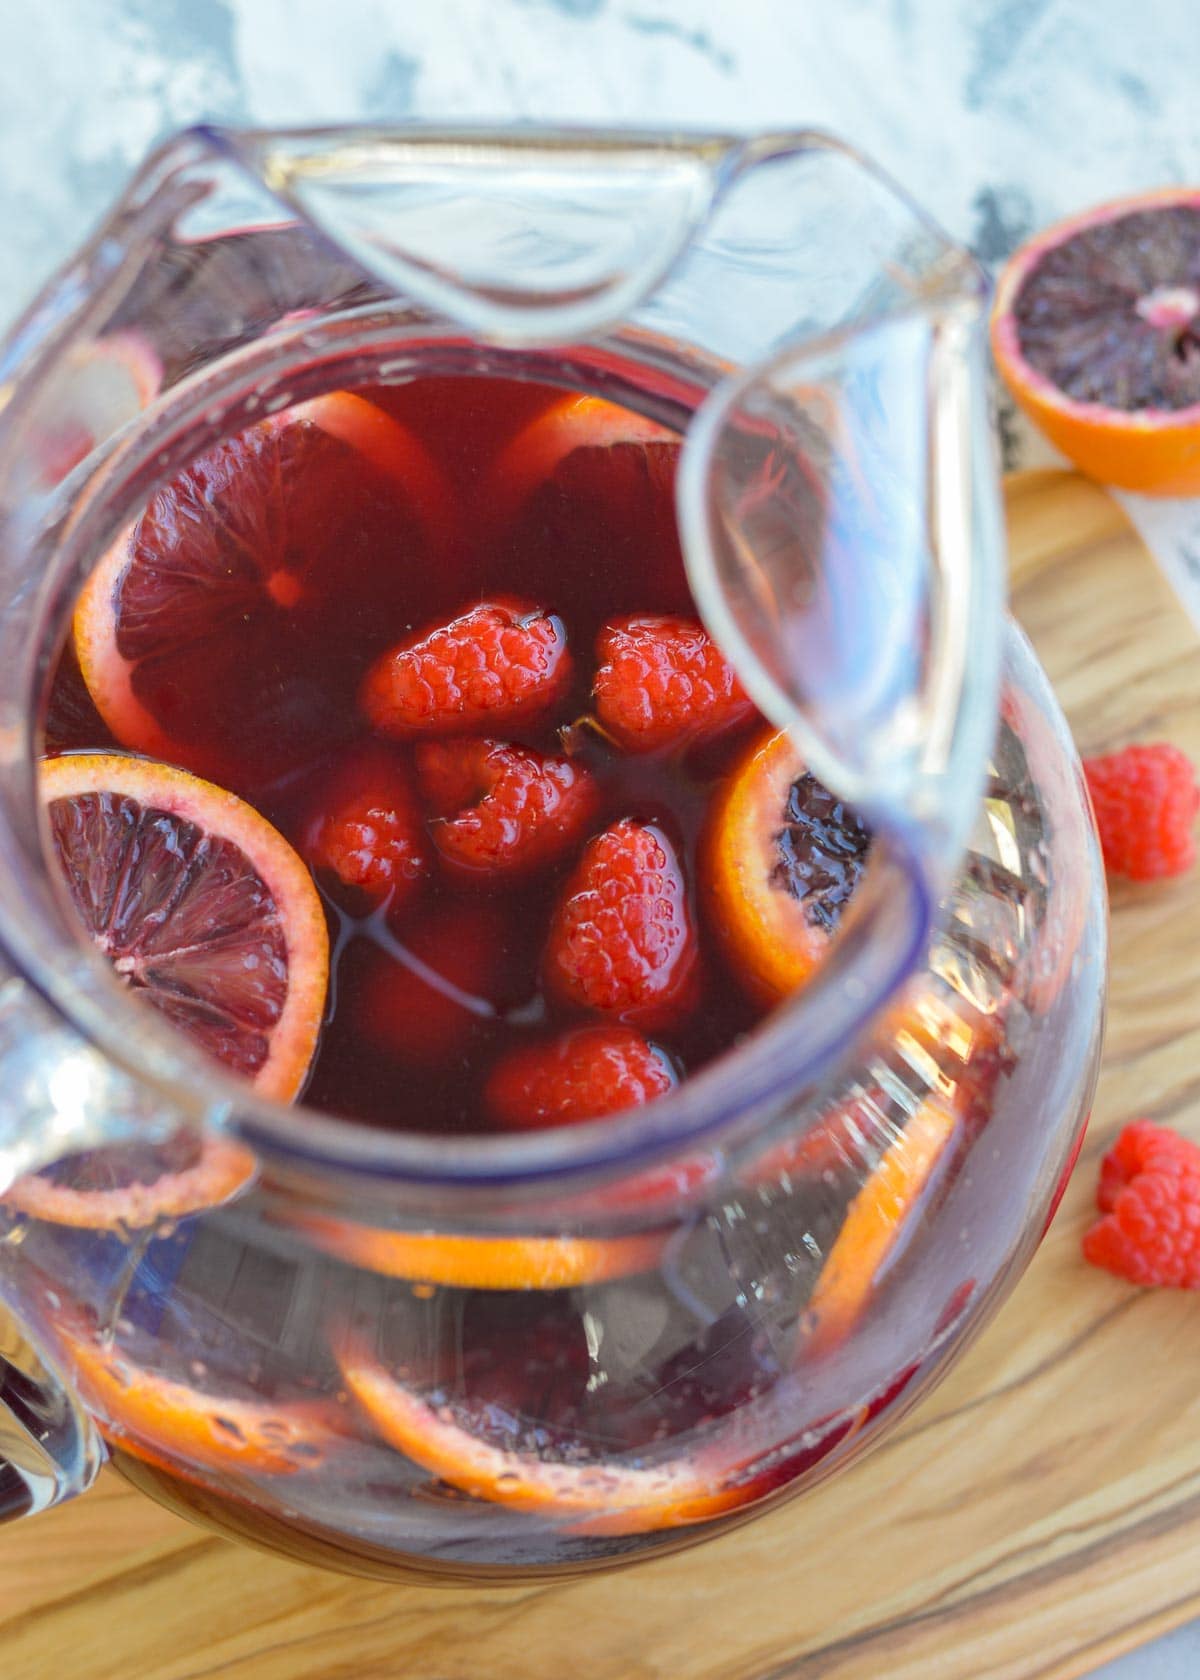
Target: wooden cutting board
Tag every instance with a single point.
(1038, 1513)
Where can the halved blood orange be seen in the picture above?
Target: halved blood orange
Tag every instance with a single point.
(200, 905)
(230, 625)
(874, 1223)
(171, 1423)
(460, 1261)
(613, 1495)
(131, 1186)
(574, 423)
(780, 860)
(1096, 330)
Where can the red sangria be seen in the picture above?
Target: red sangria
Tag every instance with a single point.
(390, 762)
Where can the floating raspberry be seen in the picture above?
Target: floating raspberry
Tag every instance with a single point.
(503, 810)
(1149, 1194)
(586, 1073)
(622, 940)
(1145, 800)
(367, 831)
(662, 682)
(500, 664)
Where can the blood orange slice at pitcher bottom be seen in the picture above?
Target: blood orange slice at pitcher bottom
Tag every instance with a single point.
(607, 1496)
(171, 1423)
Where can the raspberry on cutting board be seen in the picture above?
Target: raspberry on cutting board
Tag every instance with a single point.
(1145, 799)
(1149, 1195)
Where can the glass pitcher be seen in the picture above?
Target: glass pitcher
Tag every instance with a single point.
(732, 1292)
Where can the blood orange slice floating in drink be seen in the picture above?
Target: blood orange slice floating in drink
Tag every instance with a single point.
(206, 912)
(200, 905)
(574, 423)
(782, 858)
(230, 624)
(593, 483)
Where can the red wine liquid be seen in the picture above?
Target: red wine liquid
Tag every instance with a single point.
(597, 540)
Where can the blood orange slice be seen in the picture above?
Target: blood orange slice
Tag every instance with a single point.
(613, 1495)
(1096, 330)
(227, 629)
(877, 1217)
(473, 1262)
(200, 905)
(592, 484)
(132, 1186)
(781, 859)
(169, 1422)
(574, 423)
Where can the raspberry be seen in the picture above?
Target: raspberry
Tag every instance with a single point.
(500, 663)
(367, 831)
(1149, 1194)
(420, 1003)
(621, 939)
(1145, 799)
(504, 810)
(662, 682)
(586, 1073)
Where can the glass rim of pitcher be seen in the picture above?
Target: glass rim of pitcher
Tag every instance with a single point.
(789, 1052)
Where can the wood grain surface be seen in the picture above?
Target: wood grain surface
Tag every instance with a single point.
(1039, 1513)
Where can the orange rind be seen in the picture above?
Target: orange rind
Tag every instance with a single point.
(876, 1220)
(575, 422)
(164, 1421)
(1152, 450)
(770, 938)
(456, 1261)
(204, 977)
(610, 1496)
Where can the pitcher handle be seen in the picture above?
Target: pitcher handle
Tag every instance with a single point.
(58, 1095)
(49, 1448)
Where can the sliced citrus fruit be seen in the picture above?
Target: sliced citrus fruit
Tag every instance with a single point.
(876, 1218)
(159, 1418)
(131, 1186)
(231, 623)
(475, 1262)
(574, 423)
(1096, 330)
(781, 859)
(200, 905)
(590, 487)
(614, 1495)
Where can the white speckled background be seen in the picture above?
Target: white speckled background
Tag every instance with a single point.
(998, 114)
